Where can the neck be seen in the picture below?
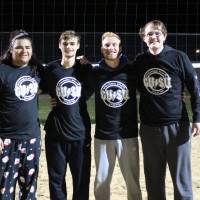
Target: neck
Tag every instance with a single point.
(156, 51)
(19, 64)
(68, 62)
(112, 63)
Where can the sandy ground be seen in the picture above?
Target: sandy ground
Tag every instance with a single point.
(118, 187)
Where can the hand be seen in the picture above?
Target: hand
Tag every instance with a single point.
(1, 146)
(53, 102)
(83, 60)
(196, 129)
(39, 91)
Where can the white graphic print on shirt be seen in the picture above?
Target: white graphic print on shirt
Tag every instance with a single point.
(157, 81)
(114, 94)
(68, 90)
(26, 88)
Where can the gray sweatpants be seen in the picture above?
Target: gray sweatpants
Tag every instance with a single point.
(105, 155)
(170, 145)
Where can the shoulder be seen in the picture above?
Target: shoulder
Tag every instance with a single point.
(175, 52)
(51, 65)
(181, 57)
(4, 66)
(82, 68)
(181, 54)
(54, 63)
(140, 56)
(2, 70)
(6, 69)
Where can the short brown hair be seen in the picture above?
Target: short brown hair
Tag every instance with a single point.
(66, 35)
(156, 24)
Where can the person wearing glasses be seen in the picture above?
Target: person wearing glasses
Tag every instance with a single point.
(165, 129)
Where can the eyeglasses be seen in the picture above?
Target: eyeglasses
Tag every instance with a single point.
(151, 33)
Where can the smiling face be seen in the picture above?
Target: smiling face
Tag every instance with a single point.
(21, 52)
(69, 47)
(154, 38)
(110, 48)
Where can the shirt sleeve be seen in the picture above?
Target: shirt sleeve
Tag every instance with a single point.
(43, 78)
(193, 86)
(90, 80)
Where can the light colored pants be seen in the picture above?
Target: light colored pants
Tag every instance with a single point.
(127, 152)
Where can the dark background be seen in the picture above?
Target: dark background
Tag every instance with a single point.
(46, 19)
(180, 16)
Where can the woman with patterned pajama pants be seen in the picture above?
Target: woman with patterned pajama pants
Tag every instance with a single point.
(19, 124)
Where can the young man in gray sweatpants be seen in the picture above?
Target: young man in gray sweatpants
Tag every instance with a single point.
(165, 131)
(116, 134)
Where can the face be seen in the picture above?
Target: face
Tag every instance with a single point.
(21, 52)
(110, 48)
(154, 38)
(69, 47)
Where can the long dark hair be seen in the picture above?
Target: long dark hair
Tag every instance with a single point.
(6, 58)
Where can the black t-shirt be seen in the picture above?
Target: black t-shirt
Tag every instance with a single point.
(115, 101)
(69, 120)
(18, 102)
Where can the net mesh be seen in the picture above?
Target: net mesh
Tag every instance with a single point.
(46, 19)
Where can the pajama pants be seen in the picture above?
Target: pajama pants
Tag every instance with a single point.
(19, 162)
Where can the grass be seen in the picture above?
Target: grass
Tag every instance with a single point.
(44, 107)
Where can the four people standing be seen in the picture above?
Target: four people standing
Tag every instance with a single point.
(159, 74)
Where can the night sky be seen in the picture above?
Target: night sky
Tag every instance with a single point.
(46, 19)
(180, 16)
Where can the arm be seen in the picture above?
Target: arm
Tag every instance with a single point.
(53, 102)
(196, 129)
(83, 60)
(43, 79)
(1, 141)
(90, 82)
(1, 146)
(193, 86)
